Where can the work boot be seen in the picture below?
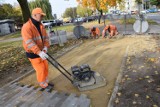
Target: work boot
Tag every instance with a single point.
(51, 84)
(49, 88)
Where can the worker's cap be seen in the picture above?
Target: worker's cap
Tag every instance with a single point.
(38, 11)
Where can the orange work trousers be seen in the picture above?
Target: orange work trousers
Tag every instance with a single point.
(41, 68)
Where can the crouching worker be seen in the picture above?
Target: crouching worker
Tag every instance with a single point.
(36, 43)
(95, 32)
(112, 30)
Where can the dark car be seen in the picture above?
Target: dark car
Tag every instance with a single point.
(56, 22)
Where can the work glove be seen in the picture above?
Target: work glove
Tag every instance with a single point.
(45, 49)
(43, 55)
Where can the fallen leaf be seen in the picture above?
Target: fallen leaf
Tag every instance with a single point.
(108, 93)
(119, 94)
(134, 71)
(155, 106)
(136, 95)
(158, 89)
(140, 78)
(126, 76)
(117, 101)
(134, 102)
(147, 97)
(156, 72)
(147, 77)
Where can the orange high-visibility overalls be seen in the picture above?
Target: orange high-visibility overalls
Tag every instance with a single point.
(95, 32)
(112, 29)
(33, 44)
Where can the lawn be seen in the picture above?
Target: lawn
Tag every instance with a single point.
(132, 20)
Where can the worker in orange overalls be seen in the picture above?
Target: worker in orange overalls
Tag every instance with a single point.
(36, 43)
(94, 32)
(112, 30)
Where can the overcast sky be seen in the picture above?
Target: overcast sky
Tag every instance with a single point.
(58, 6)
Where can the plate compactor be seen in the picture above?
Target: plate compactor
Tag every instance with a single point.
(81, 77)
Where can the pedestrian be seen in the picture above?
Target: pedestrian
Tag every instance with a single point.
(94, 32)
(36, 44)
(112, 30)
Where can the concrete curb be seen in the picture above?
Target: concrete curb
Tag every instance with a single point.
(115, 90)
(31, 71)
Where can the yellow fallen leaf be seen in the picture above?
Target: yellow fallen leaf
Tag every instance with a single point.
(155, 106)
(147, 97)
(147, 77)
(128, 78)
(108, 93)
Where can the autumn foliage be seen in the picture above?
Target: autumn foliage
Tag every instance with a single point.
(99, 4)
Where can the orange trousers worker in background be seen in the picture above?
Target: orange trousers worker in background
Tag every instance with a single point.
(95, 32)
(36, 43)
(112, 30)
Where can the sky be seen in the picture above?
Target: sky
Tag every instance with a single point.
(58, 6)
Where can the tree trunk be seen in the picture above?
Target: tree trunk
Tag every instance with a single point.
(25, 9)
(101, 13)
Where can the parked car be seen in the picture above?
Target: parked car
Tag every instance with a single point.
(52, 23)
(57, 22)
(46, 23)
(67, 20)
(153, 10)
(144, 11)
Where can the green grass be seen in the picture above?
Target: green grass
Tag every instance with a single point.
(9, 36)
(68, 28)
(132, 20)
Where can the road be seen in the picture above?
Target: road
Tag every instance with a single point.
(155, 17)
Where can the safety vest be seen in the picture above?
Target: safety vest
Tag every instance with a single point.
(32, 40)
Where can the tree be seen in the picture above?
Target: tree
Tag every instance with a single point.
(45, 5)
(8, 9)
(3, 14)
(10, 12)
(83, 11)
(70, 12)
(25, 9)
(155, 2)
(100, 5)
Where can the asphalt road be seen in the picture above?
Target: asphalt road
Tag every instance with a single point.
(155, 17)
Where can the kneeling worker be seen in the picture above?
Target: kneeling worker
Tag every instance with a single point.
(112, 29)
(95, 32)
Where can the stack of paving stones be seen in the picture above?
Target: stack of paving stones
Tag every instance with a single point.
(16, 95)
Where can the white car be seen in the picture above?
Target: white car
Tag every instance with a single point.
(46, 23)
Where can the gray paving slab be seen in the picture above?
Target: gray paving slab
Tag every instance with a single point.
(83, 101)
(32, 99)
(18, 96)
(25, 98)
(9, 99)
(42, 98)
(9, 95)
(70, 101)
(13, 100)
